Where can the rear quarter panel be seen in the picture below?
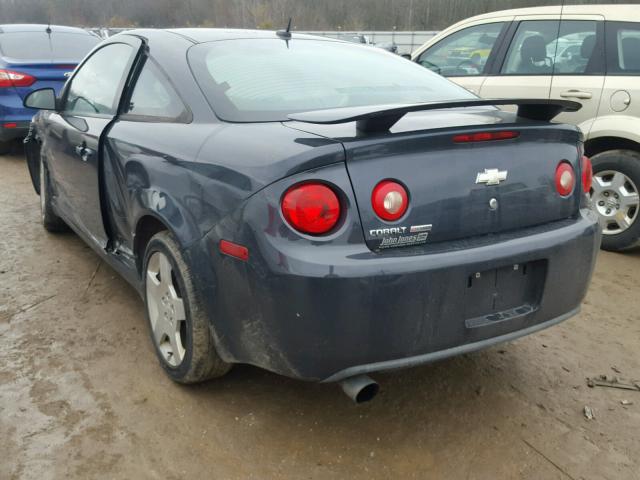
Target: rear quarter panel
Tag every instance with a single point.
(190, 176)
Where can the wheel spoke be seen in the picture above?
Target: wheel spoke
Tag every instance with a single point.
(618, 181)
(629, 200)
(178, 309)
(176, 349)
(154, 287)
(623, 222)
(598, 184)
(165, 271)
(160, 329)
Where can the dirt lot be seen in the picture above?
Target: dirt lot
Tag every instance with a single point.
(82, 396)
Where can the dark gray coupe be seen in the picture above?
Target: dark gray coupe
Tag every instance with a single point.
(316, 208)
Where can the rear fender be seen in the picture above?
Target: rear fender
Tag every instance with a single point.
(277, 253)
(621, 126)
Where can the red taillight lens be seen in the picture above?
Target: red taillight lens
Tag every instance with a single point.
(311, 208)
(565, 179)
(587, 174)
(485, 136)
(9, 78)
(389, 200)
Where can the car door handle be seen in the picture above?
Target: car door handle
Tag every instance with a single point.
(576, 94)
(84, 153)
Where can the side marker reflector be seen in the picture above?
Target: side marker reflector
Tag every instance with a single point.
(234, 250)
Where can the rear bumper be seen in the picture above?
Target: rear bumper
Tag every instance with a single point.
(328, 312)
(449, 352)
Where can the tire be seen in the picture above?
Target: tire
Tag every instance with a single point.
(51, 222)
(176, 314)
(620, 217)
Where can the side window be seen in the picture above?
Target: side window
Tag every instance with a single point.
(550, 47)
(464, 53)
(624, 42)
(94, 89)
(154, 96)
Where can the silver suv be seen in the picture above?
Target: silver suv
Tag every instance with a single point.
(587, 53)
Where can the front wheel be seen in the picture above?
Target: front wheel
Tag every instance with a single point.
(615, 196)
(177, 316)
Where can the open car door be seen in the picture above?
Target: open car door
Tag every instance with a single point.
(89, 105)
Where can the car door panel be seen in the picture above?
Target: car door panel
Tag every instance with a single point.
(619, 110)
(509, 78)
(76, 171)
(586, 83)
(90, 104)
(551, 75)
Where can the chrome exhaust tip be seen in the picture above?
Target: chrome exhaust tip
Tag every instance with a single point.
(360, 388)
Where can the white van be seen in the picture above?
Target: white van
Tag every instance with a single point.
(589, 54)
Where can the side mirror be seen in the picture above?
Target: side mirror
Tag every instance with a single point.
(43, 99)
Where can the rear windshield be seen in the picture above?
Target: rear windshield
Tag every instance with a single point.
(40, 46)
(265, 80)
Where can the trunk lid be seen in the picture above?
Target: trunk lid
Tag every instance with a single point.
(445, 202)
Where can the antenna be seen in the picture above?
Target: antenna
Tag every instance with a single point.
(48, 30)
(555, 54)
(285, 34)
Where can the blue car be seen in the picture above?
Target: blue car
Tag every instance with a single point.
(316, 208)
(33, 57)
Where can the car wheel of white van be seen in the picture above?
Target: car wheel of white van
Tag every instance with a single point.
(51, 222)
(616, 197)
(177, 318)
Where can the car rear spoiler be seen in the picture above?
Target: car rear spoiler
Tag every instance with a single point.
(380, 118)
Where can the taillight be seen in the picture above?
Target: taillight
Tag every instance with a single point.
(485, 136)
(587, 174)
(389, 200)
(565, 178)
(311, 208)
(9, 78)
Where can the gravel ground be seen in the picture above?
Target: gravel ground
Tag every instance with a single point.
(82, 395)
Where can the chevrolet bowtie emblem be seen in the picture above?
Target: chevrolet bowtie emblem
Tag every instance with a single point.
(491, 176)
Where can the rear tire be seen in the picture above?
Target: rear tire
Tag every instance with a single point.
(177, 316)
(615, 191)
(51, 222)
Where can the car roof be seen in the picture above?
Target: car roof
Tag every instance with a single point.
(34, 27)
(622, 13)
(202, 35)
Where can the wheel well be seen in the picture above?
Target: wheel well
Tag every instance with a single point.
(146, 228)
(603, 144)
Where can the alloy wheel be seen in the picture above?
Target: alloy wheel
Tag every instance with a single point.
(166, 309)
(616, 200)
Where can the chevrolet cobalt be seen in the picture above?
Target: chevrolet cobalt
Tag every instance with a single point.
(316, 208)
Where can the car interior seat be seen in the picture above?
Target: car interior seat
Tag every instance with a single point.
(533, 56)
(586, 59)
(631, 53)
